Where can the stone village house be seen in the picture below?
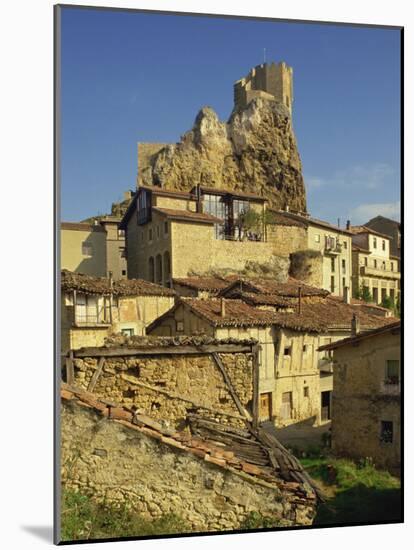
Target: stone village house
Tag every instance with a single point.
(373, 266)
(96, 249)
(180, 437)
(295, 379)
(94, 307)
(367, 396)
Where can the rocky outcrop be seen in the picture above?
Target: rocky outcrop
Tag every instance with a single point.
(255, 151)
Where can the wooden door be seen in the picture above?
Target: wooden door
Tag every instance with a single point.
(265, 406)
(286, 408)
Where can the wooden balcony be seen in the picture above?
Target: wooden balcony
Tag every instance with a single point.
(382, 273)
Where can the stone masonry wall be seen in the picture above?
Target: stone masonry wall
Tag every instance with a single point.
(286, 239)
(168, 387)
(117, 464)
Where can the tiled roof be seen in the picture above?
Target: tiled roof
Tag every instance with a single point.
(393, 327)
(271, 286)
(308, 220)
(75, 226)
(187, 215)
(204, 283)
(223, 446)
(356, 248)
(267, 299)
(279, 218)
(359, 229)
(167, 192)
(101, 285)
(240, 314)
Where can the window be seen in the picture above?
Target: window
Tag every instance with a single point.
(287, 351)
(383, 266)
(122, 252)
(180, 326)
(123, 272)
(383, 245)
(343, 266)
(158, 269)
(306, 391)
(343, 282)
(366, 261)
(127, 331)
(375, 263)
(317, 238)
(392, 266)
(121, 233)
(332, 284)
(87, 249)
(165, 228)
(333, 265)
(387, 431)
(345, 245)
(158, 231)
(167, 268)
(392, 372)
(375, 242)
(150, 234)
(305, 348)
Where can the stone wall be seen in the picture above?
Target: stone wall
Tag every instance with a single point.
(307, 266)
(286, 239)
(168, 387)
(71, 256)
(115, 463)
(361, 400)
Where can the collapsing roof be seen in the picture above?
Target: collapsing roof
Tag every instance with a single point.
(101, 285)
(391, 328)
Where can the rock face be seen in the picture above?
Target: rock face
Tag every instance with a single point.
(255, 152)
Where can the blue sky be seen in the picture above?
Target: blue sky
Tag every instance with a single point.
(129, 77)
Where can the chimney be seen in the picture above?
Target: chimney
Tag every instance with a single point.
(347, 295)
(300, 300)
(222, 307)
(354, 325)
(348, 224)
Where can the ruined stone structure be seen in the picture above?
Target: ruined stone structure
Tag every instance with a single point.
(254, 152)
(210, 480)
(272, 81)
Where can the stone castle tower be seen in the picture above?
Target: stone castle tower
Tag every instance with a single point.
(274, 82)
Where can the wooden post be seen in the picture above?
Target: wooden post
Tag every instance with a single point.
(70, 373)
(256, 373)
(96, 374)
(229, 384)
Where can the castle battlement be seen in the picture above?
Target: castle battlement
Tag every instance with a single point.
(272, 81)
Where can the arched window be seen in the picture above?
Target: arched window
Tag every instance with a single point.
(158, 269)
(151, 270)
(167, 269)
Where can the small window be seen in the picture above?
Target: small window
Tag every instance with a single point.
(287, 351)
(123, 272)
(375, 242)
(180, 326)
(366, 261)
(343, 282)
(392, 266)
(375, 263)
(158, 231)
(122, 252)
(383, 266)
(121, 233)
(345, 245)
(332, 284)
(127, 331)
(392, 372)
(343, 266)
(87, 249)
(306, 391)
(383, 245)
(165, 228)
(333, 265)
(150, 234)
(387, 431)
(305, 348)
(317, 238)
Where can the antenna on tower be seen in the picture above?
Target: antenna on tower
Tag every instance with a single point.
(264, 55)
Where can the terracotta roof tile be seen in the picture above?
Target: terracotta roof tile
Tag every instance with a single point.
(79, 226)
(187, 215)
(394, 326)
(101, 285)
(204, 283)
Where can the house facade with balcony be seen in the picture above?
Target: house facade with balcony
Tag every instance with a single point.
(176, 234)
(92, 308)
(375, 270)
(366, 399)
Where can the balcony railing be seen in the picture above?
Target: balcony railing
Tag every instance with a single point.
(390, 387)
(376, 272)
(333, 249)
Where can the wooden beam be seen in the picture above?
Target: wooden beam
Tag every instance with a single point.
(229, 384)
(96, 374)
(70, 373)
(256, 373)
(161, 350)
